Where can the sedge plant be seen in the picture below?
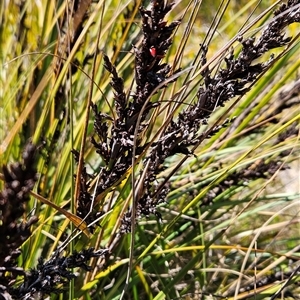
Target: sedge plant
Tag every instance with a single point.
(146, 147)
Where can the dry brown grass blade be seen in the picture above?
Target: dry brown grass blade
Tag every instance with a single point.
(77, 221)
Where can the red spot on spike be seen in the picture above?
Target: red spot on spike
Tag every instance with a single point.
(153, 51)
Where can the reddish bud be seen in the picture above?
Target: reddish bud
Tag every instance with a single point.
(152, 51)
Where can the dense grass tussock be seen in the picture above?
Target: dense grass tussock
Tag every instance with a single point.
(145, 149)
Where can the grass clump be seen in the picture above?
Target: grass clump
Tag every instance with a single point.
(152, 150)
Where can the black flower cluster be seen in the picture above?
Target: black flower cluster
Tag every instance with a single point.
(50, 276)
(150, 72)
(19, 178)
(116, 147)
(233, 80)
(226, 84)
